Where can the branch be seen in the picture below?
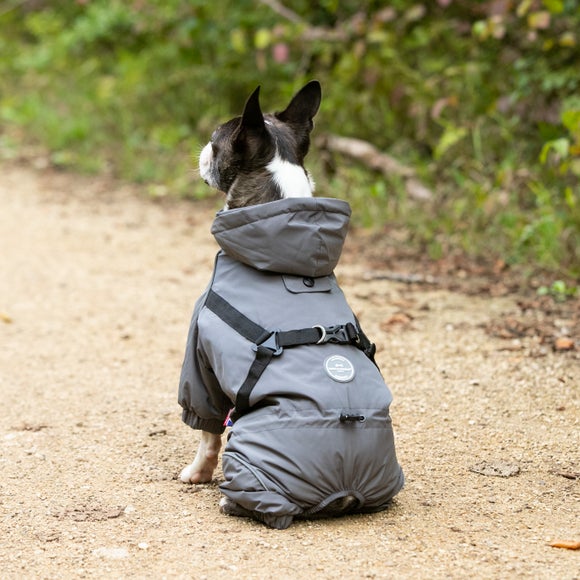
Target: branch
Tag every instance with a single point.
(6, 9)
(341, 33)
(398, 277)
(366, 153)
(376, 160)
(283, 11)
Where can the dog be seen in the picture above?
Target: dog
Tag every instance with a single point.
(271, 232)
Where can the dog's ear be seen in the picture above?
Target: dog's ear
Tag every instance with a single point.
(251, 135)
(303, 106)
(252, 117)
(251, 139)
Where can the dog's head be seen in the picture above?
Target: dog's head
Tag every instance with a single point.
(259, 157)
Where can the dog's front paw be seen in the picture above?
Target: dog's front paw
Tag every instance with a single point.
(205, 462)
(198, 472)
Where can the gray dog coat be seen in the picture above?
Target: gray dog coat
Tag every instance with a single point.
(273, 339)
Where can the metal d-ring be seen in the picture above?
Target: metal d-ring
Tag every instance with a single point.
(322, 333)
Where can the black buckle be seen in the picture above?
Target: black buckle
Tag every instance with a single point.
(271, 343)
(338, 334)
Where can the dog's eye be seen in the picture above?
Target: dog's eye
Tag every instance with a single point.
(214, 149)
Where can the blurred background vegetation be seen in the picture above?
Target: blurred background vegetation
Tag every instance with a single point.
(479, 100)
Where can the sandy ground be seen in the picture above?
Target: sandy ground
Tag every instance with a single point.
(96, 290)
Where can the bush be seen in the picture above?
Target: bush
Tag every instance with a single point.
(478, 97)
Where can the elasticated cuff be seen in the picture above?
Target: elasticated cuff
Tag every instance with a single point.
(211, 425)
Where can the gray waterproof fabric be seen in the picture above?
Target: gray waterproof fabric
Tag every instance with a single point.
(291, 455)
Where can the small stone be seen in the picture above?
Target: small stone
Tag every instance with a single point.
(111, 553)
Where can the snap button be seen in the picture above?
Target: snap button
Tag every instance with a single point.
(308, 282)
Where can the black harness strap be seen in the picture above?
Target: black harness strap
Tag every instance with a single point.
(269, 344)
(263, 357)
(238, 321)
(298, 337)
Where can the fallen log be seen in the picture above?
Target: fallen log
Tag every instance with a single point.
(367, 154)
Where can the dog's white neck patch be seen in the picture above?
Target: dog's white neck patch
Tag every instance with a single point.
(292, 180)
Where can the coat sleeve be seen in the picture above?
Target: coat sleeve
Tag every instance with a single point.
(204, 404)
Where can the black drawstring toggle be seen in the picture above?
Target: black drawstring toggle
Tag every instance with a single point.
(347, 418)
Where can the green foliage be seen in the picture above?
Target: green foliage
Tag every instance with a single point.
(559, 291)
(482, 99)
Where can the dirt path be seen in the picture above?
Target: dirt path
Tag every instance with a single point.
(96, 290)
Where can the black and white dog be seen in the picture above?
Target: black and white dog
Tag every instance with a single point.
(310, 440)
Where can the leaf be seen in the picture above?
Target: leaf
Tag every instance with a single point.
(281, 52)
(399, 318)
(262, 38)
(496, 25)
(568, 545)
(415, 13)
(480, 29)
(570, 198)
(539, 20)
(571, 120)
(523, 7)
(5, 318)
(567, 39)
(450, 137)
(238, 40)
(563, 343)
(560, 146)
(554, 6)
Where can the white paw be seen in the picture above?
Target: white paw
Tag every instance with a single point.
(197, 472)
(187, 473)
(205, 462)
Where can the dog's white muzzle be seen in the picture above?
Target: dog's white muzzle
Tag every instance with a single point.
(205, 159)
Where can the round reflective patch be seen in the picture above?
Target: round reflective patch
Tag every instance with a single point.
(339, 368)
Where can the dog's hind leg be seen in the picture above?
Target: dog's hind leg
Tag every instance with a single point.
(206, 460)
(231, 508)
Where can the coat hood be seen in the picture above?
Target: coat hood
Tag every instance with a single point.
(300, 236)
